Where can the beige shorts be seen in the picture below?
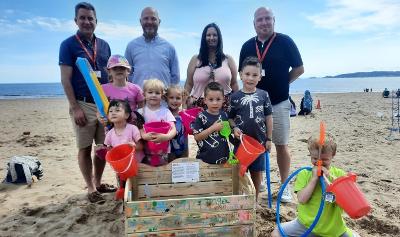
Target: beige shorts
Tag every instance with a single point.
(281, 123)
(93, 130)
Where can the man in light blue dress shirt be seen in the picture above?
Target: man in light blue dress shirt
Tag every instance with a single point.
(150, 55)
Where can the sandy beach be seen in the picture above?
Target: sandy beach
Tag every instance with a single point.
(57, 204)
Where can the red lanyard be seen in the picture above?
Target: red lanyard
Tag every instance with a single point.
(93, 59)
(261, 58)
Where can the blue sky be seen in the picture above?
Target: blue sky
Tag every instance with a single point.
(334, 36)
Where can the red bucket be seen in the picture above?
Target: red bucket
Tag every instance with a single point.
(349, 197)
(248, 152)
(188, 116)
(122, 160)
(157, 127)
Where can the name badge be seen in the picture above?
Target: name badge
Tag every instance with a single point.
(263, 73)
(98, 74)
(329, 197)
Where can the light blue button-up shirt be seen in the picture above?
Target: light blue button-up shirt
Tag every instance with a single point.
(152, 59)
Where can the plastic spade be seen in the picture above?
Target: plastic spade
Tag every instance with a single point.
(226, 132)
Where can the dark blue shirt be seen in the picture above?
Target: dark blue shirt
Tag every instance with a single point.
(71, 49)
(281, 56)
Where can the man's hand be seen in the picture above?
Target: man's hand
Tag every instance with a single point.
(79, 116)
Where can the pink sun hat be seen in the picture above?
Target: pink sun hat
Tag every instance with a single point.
(118, 61)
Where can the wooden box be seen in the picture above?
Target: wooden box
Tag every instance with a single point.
(220, 204)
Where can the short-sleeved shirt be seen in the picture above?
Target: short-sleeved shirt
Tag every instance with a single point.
(214, 149)
(130, 134)
(156, 58)
(281, 56)
(331, 222)
(248, 111)
(131, 92)
(71, 49)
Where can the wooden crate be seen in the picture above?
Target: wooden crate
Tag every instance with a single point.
(221, 204)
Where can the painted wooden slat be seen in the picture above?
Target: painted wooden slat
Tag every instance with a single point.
(203, 165)
(176, 206)
(224, 231)
(189, 221)
(235, 179)
(162, 177)
(165, 190)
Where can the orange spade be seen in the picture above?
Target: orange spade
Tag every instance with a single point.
(321, 143)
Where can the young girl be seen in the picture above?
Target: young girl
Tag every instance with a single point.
(119, 88)
(153, 111)
(179, 144)
(122, 132)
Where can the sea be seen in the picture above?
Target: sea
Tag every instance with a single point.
(314, 85)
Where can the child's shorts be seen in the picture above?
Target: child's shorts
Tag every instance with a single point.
(294, 228)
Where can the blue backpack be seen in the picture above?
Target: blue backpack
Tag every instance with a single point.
(307, 102)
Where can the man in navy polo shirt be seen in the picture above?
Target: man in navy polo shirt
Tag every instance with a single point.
(81, 104)
(281, 65)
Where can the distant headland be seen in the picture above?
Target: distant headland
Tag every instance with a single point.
(367, 74)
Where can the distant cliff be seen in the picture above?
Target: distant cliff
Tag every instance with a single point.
(368, 74)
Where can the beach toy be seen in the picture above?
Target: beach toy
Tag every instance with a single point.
(226, 132)
(95, 88)
(349, 197)
(188, 116)
(321, 143)
(249, 149)
(157, 148)
(122, 160)
(320, 209)
(268, 176)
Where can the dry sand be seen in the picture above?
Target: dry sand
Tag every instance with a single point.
(57, 204)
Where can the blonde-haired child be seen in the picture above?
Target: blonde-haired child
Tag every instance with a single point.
(179, 144)
(309, 195)
(154, 111)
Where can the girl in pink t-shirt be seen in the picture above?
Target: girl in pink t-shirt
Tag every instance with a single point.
(119, 88)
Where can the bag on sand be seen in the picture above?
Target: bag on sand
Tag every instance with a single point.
(21, 169)
(306, 103)
(292, 107)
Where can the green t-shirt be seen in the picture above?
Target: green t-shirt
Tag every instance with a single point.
(331, 222)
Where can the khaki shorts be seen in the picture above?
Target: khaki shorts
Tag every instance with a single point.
(93, 130)
(281, 123)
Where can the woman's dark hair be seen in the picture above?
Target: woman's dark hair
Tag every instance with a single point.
(203, 53)
(251, 61)
(84, 5)
(121, 103)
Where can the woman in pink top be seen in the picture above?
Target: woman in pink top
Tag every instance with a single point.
(211, 64)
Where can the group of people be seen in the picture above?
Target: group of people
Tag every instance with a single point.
(143, 87)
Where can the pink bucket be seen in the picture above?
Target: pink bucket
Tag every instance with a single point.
(188, 116)
(157, 127)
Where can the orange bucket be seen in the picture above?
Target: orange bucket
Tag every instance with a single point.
(349, 197)
(248, 152)
(122, 160)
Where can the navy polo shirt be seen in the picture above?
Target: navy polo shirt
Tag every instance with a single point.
(281, 56)
(71, 49)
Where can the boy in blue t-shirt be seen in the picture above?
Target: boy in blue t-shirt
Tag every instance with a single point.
(308, 189)
(251, 113)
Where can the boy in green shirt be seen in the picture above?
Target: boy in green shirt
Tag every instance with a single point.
(308, 189)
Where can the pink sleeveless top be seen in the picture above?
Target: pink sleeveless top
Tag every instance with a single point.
(201, 78)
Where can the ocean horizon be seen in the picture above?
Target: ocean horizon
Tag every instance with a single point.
(314, 85)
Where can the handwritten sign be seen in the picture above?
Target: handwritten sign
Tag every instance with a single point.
(185, 172)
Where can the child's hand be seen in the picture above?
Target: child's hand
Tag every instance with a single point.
(268, 146)
(237, 132)
(150, 136)
(315, 172)
(217, 126)
(160, 137)
(325, 172)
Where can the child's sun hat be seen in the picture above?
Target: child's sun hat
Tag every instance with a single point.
(118, 61)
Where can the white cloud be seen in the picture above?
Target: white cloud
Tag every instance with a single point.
(359, 16)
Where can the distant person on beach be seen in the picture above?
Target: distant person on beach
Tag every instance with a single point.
(281, 65)
(306, 104)
(251, 114)
(150, 55)
(211, 64)
(308, 191)
(385, 93)
(81, 104)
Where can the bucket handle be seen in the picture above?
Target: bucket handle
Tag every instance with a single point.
(241, 141)
(129, 165)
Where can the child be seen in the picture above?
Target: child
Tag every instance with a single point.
(306, 103)
(153, 111)
(179, 144)
(213, 148)
(122, 132)
(119, 89)
(308, 191)
(251, 114)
